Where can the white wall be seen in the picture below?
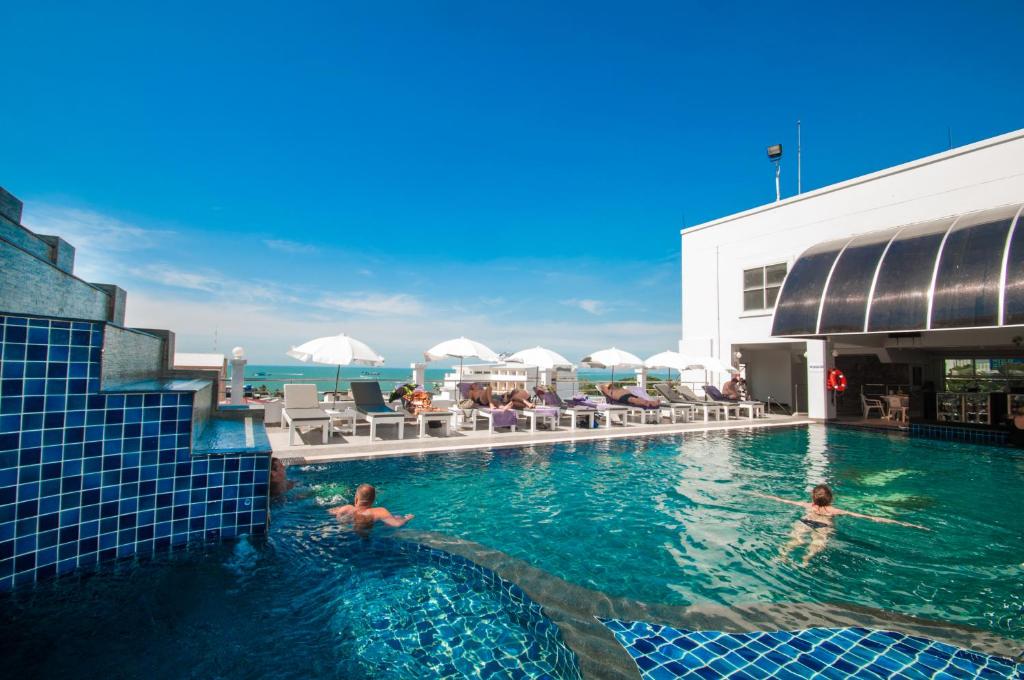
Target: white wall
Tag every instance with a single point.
(769, 374)
(979, 176)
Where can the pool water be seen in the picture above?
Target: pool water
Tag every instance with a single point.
(666, 520)
(313, 601)
(675, 520)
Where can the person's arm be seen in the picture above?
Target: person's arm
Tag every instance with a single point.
(882, 520)
(385, 516)
(781, 500)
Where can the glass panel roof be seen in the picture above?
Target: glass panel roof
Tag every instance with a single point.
(882, 281)
(797, 311)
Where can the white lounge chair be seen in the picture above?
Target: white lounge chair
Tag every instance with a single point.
(708, 408)
(302, 409)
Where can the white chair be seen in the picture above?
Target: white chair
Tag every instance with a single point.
(868, 405)
(302, 409)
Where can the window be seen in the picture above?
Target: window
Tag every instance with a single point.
(984, 375)
(761, 286)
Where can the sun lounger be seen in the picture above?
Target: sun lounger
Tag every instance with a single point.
(609, 411)
(573, 413)
(644, 414)
(755, 409)
(720, 411)
(302, 409)
(494, 417)
(370, 405)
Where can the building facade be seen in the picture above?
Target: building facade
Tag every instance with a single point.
(768, 288)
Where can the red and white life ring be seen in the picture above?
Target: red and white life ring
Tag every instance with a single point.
(836, 381)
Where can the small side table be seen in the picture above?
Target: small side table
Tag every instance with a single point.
(444, 417)
(341, 417)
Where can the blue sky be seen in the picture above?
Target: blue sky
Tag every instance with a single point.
(409, 172)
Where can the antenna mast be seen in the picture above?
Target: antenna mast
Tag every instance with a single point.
(798, 187)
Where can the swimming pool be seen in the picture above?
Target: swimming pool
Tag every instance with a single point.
(623, 528)
(674, 520)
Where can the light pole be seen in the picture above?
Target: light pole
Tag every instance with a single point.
(775, 156)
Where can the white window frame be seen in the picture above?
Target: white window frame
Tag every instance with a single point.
(764, 308)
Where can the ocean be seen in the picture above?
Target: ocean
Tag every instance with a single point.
(274, 377)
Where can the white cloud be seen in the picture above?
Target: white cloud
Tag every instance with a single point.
(374, 304)
(267, 330)
(97, 238)
(292, 247)
(178, 278)
(589, 306)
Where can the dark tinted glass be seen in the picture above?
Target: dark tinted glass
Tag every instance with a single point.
(774, 275)
(968, 282)
(846, 300)
(797, 311)
(900, 302)
(753, 278)
(1014, 302)
(753, 299)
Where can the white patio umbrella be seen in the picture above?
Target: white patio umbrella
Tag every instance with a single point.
(336, 349)
(612, 358)
(541, 357)
(460, 348)
(671, 360)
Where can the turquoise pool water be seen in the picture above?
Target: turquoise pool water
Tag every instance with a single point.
(674, 520)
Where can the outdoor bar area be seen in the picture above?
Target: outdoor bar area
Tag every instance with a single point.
(922, 321)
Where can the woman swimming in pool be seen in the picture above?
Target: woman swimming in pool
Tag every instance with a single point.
(818, 522)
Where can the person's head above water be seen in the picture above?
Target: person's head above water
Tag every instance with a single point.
(821, 495)
(365, 495)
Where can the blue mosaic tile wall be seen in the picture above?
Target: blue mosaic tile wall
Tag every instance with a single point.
(663, 652)
(993, 437)
(547, 655)
(88, 476)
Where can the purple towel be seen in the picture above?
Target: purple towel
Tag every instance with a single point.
(503, 418)
(546, 410)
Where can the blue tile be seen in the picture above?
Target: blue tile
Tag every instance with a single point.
(851, 652)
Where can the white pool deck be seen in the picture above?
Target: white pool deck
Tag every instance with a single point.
(349, 447)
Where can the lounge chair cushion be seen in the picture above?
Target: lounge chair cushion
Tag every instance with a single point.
(301, 414)
(300, 396)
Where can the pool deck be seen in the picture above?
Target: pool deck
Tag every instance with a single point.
(345, 447)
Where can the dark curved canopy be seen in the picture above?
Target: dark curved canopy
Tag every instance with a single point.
(965, 271)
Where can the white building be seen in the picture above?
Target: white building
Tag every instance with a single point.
(895, 275)
(505, 377)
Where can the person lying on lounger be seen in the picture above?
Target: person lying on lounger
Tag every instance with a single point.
(363, 515)
(620, 395)
(817, 524)
(518, 399)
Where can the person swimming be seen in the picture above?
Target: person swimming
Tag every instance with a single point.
(279, 482)
(362, 513)
(818, 522)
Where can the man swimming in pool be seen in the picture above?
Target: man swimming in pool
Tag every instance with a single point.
(362, 513)
(817, 522)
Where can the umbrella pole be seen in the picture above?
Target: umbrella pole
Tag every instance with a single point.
(337, 377)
